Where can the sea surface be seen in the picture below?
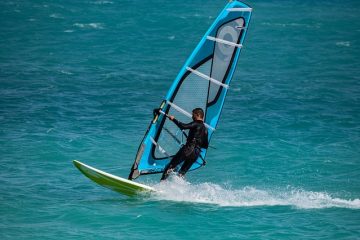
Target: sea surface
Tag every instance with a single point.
(79, 80)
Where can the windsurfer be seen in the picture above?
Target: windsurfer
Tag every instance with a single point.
(197, 139)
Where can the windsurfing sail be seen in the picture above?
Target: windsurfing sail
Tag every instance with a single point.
(202, 82)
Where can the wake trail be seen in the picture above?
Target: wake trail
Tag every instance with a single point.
(177, 189)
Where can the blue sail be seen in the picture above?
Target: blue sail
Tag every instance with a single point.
(202, 82)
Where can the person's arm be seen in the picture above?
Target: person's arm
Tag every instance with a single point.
(182, 125)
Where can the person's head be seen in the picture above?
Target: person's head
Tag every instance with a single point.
(197, 114)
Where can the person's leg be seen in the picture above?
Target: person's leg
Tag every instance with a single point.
(176, 160)
(186, 166)
(188, 162)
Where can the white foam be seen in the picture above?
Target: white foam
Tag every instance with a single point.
(177, 189)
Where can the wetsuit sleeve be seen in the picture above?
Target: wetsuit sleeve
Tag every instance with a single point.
(184, 125)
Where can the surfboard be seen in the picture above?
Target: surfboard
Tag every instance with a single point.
(115, 183)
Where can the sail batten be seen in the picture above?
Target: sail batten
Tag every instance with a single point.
(179, 109)
(239, 9)
(189, 115)
(202, 82)
(207, 77)
(160, 148)
(224, 41)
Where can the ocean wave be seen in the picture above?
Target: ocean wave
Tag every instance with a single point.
(343, 44)
(89, 25)
(299, 25)
(56, 16)
(177, 189)
(66, 72)
(102, 2)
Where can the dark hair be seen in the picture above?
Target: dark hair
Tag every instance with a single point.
(199, 112)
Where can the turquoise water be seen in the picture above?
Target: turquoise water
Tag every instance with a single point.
(79, 80)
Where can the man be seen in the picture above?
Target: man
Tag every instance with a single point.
(197, 139)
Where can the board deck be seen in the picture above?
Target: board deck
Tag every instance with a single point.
(115, 183)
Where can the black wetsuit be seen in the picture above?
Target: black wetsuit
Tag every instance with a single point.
(197, 139)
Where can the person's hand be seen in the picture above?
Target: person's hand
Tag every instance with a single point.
(171, 117)
(156, 111)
